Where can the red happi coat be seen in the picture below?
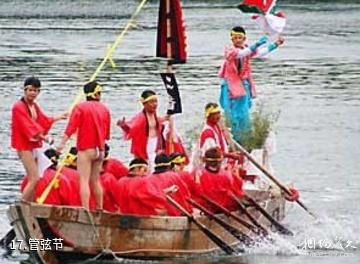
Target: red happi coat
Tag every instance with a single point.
(115, 167)
(108, 182)
(137, 196)
(234, 75)
(91, 120)
(167, 179)
(74, 179)
(211, 131)
(60, 193)
(24, 128)
(137, 131)
(218, 187)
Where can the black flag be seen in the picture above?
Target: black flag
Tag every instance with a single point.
(172, 89)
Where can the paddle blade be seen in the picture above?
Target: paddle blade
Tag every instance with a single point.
(172, 90)
(171, 35)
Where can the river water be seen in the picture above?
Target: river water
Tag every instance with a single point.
(313, 81)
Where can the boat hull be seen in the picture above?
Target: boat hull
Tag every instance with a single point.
(84, 234)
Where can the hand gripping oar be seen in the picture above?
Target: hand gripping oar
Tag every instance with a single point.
(282, 229)
(271, 177)
(6, 240)
(252, 219)
(234, 231)
(212, 236)
(232, 215)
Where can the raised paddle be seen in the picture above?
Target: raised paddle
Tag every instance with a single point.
(282, 229)
(271, 177)
(212, 236)
(252, 219)
(234, 231)
(232, 215)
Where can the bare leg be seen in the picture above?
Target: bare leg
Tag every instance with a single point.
(84, 169)
(29, 163)
(95, 183)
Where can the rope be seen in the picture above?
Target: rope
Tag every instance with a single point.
(108, 56)
(111, 49)
(91, 220)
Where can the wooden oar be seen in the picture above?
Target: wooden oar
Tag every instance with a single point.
(212, 236)
(252, 219)
(6, 240)
(234, 231)
(232, 215)
(271, 177)
(282, 229)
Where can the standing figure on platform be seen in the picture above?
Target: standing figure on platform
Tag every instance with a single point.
(29, 127)
(145, 129)
(91, 120)
(237, 85)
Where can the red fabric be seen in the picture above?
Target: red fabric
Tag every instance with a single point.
(91, 120)
(108, 181)
(218, 187)
(259, 4)
(172, 146)
(167, 179)
(115, 167)
(137, 132)
(189, 180)
(230, 72)
(136, 195)
(73, 179)
(178, 52)
(53, 196)
(60, 193)
(214, 132)
(24, 128)
(294, 195)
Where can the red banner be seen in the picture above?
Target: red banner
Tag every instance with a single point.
(175, 35)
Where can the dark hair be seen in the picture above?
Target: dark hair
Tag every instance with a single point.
(214, 154)
(89, 88)
(33, 81)
(238, 29)
(208, 105)
(175, 155)
(107, 150)
(147, 93)
(73, 151)
(139, 161)
(52, 155)
(162, 163)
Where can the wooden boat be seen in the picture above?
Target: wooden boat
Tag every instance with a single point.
(85, 235)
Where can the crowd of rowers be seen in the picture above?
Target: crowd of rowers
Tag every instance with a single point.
(136, 190)
(94, 180)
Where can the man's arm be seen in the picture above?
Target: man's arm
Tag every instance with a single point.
(266, 50)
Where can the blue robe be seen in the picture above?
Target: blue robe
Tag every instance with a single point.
(237, 110)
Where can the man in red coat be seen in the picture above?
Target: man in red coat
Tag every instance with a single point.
(145, 129)
(91, 121)
(29, 127)
(136, 195)
(113, 165)
(215, 183)
(166, 180)
(213, 134)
